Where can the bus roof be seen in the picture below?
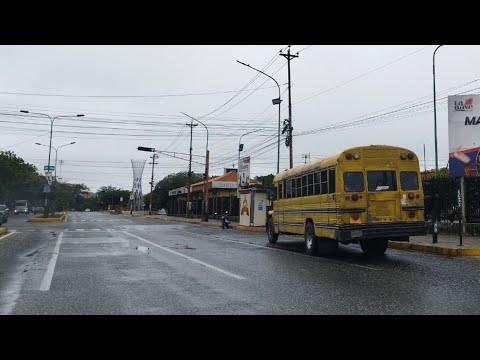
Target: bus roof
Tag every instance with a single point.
(329, 161)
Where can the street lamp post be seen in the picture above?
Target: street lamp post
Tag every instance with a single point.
(435, 211)
(205, 186)
(50, 146)
(435, 110)
(240, 148)
(274, 101)
(56, 154)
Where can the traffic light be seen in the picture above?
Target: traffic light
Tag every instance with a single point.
(240, 147)
(142, 148)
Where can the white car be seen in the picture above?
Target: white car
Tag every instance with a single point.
(87, 209)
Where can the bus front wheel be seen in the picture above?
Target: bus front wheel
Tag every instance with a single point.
(310, 239)
(374, 247)
(272, 236)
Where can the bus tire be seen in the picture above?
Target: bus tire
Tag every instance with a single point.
(374, 247)
(310, 240)
(272, 236)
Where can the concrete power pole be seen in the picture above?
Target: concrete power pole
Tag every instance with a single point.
(290, 136)
(191, 125)
(154, 156)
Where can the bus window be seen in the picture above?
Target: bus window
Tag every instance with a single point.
(304, 186)
(280, 191)
(381, 181)
(310, 184)
(317, 183)
(299, 187)
(323, 181)
(409, 180)
(353, 182)
(289, 189)
(331, 181)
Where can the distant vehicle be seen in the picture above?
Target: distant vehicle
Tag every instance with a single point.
(38, 210)
(21, 207)
(162, 212)
(4, 210)
(87, 209)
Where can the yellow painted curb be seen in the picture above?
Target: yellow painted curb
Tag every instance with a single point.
(251, 228)
(3, 231)
(434, 249)
(48, 219)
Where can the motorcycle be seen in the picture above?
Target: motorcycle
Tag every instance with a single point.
(225, 221)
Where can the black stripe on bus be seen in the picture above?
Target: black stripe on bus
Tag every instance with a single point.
(325, 210)
(406, 208)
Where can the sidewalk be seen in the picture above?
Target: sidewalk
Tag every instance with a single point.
(447, 244)
(210, 222)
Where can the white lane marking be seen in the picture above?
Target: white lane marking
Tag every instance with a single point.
(291, 252)
(4, 236)
(80, 229)
(189, 258)
(65, 220)
(47, 278)
(96, 229)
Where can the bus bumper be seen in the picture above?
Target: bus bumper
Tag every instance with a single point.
(391, 231)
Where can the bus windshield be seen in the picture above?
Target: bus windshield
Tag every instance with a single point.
(21, 203)
(381, 181)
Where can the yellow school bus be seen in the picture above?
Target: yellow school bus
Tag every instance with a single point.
(366, 194)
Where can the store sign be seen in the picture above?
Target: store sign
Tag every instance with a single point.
(464, 135)
(244, 171)
(224, 185)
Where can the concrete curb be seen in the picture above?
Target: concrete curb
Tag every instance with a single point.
(435, 249)
(3, 231)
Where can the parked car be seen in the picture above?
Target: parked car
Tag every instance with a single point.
(4, 210)
(87, 209)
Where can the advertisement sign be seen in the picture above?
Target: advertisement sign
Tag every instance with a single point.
(245, 210)
(244, 171)
(464, 135)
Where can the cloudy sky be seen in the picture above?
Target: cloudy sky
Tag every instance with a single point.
(342, 96)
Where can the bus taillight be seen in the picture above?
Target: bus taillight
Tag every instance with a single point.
(410, 196)
(411, 214)
(354, 197)
(356, 216)
(417, 196)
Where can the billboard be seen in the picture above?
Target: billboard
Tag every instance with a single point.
(464, 135)
(244, 171)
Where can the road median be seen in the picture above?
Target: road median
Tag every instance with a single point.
(3, 231)
(59, 218)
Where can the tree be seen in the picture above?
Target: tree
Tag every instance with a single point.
(172, 181)
(266, 180)
(110, 195)
(18, 179)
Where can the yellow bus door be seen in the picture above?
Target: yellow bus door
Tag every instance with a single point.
(383, 196)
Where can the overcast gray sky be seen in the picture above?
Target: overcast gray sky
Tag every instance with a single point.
(134, 95)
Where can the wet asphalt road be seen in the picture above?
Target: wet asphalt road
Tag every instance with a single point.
(98, 263)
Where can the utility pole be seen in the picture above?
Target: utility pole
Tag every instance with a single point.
(289, 136)
(154, 156)
(190, 167)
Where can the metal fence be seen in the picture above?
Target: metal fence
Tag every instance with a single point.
(441, 198)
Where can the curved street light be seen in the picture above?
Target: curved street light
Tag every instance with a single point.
(435, 110)
(50, 146)
(275, 102)
(56, 154)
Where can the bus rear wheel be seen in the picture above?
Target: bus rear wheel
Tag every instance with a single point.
(310, 239)
(272, 236)
(374, 247)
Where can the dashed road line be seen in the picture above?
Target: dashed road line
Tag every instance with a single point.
(189, 258)
(47, 278)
